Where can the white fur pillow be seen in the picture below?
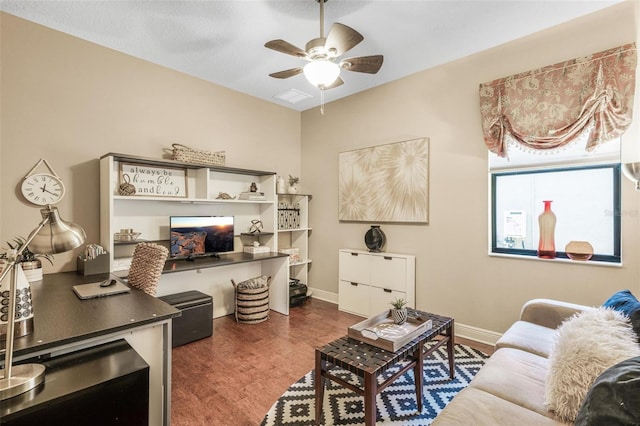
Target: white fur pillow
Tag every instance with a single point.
(586, 345)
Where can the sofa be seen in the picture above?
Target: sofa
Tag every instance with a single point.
(513, 388)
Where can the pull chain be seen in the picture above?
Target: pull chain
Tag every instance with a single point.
(321, 100)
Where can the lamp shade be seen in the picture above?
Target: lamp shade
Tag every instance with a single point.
(57, 236)
(321, 73)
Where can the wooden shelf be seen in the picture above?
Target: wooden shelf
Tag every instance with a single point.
(172, 163)
(295, 237)
(257, 234)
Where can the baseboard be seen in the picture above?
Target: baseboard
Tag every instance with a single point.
(476, 334)
(327, 296)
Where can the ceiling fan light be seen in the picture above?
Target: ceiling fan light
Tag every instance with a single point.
(321, 73)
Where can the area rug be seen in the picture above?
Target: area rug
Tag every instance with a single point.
(396, 405)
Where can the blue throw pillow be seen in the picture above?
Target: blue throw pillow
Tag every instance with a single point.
(626, 303)
(623, 301)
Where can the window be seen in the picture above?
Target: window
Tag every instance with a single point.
(566, 121)
(585, 199)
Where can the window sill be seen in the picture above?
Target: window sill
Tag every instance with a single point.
(557, 260)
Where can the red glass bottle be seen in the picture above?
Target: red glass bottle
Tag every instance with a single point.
(547, 225)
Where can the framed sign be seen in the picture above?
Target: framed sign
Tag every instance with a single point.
(385, 183)
(149, 181)
(515, 224)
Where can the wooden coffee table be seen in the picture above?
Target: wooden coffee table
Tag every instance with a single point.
(368, 362)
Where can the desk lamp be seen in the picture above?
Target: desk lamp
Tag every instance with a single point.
(53, 235)
(632, 172)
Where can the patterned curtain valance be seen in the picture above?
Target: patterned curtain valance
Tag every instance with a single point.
(549, 107)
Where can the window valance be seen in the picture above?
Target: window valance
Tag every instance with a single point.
(549, 107)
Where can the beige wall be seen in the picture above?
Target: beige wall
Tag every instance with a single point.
(71, 101)
(455, 276)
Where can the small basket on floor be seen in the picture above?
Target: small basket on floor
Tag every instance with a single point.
(252, 299)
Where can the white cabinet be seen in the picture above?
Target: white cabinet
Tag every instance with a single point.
(369, 282)
(293, 233)
(380, 299)
(390, 271)
(354, 297)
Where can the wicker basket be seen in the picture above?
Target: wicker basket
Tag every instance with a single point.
(197, 156)
(252, 304)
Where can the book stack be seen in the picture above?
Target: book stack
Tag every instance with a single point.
(252, 196)
(258, 249)
(294, 254)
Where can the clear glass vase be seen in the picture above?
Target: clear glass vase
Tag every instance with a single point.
(547, 225)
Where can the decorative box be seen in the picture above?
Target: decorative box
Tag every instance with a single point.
(259, 249)
(288, 217)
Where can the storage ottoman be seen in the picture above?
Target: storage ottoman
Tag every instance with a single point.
(196, 321)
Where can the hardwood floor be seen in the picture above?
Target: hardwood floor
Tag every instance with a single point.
(233, 377)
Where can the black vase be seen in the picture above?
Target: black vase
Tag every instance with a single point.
(375, 239)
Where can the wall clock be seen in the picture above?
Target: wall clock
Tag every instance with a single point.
(42, 189)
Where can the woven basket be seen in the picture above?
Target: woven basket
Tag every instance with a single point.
(197, 156)
(252, 304)
(146, 267)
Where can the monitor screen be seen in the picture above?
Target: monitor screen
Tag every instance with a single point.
(200, 235)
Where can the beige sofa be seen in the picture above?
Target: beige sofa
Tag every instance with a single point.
(509, 389)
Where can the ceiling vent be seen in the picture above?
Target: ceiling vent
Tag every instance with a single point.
(293, 96)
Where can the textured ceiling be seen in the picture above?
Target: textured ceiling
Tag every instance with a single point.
(223, 41)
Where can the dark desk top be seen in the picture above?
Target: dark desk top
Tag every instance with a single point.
(180, 265)
(60, 317)
(78, 374)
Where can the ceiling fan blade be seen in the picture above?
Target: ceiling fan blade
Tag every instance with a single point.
(338, 82)
(285, 47)
(342, 38)
(368, 64)
(286, 73)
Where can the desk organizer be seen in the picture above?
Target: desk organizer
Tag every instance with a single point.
(97, 265)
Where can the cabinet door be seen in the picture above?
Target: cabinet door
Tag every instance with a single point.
(354, 267)
(354, 298)
(389, 272)
(381, 299)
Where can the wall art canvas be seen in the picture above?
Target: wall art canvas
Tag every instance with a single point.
(385, 183)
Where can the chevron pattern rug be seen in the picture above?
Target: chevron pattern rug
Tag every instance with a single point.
(396, 405)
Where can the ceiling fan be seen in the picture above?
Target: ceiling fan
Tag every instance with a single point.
(322, 53)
